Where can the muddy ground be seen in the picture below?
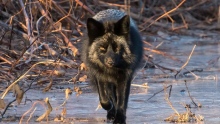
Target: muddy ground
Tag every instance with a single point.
(202, 84)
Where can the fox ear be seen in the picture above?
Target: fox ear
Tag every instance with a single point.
(122, 27)
(95, 28)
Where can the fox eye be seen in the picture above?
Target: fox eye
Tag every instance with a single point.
(117, 49)
(102, 49)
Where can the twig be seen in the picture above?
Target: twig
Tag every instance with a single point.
(161, 53)
(161, 91)
(137, 85)
(31, 115)
(11, 36)
(85, 7)
(28, 24)
(184, 22)
(24, 35)
(76, 77)
(167, 13)
(170, 104)
(68, 14)
(16, 62)
(194, 70)
(4, 59)
(189, 94)
(2, 114)
(69, 44)
(187, 61)
(63, 12)
(8, 74)
(218, 16)
(162, 67)
(42, 62)
(113, 4)
(41, 102)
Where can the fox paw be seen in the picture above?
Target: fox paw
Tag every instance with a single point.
(120, 119)
(111, 115)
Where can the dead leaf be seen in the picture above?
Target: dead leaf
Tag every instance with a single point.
(78, 90)
(18, 92)
(75, 79)
(83, 66)
(50, 50)
(59, 119)
(57, 26)
(68, 92)
(83, 78)
(47, 113)
(59, 73)
(49, 85)
(72, 48)
(63, 112)
(2, 104)
(42, 81)
(98, 107)
(75, 51)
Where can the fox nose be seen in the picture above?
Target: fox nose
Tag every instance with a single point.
(109, 62)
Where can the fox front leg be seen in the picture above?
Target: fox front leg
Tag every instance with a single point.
(122, 95)
(103, 96)
(112, 95)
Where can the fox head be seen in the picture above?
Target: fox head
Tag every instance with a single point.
(109, 43)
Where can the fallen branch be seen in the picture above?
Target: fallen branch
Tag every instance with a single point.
(22, 76)
(20, 33)
(28, 25)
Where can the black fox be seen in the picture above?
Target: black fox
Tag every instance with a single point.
(112, 53)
